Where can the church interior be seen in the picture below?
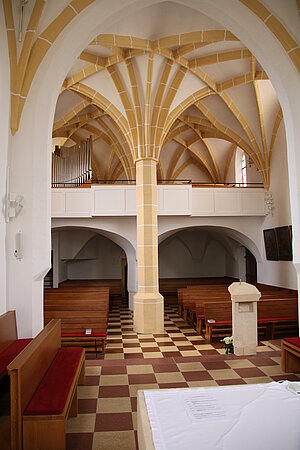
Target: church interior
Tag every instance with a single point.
(150, 224)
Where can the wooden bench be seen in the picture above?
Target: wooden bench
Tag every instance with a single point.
(290, 354)
(192, 297)
(271, 314)
(114, 286)
(276, 314)
(200, 284)
(200, 312)
(10, 345)
(218, 316)
(43, 390)
(80, 309)
(198, 294)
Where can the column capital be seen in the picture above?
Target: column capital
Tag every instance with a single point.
(146, 158)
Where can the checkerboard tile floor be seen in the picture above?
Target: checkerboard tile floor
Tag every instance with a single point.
(177, 358)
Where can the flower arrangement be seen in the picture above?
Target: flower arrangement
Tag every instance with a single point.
(228, 341)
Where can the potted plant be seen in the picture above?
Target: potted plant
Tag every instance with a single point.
(228, 342)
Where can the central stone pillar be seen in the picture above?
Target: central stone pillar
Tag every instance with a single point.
(148, 303)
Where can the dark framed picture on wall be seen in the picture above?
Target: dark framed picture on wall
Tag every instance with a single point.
(284, 242)
(271, 244)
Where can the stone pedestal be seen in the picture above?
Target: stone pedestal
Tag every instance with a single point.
(244, 299)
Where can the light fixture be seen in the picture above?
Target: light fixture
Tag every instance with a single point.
(23, 3)
(19, 246)
(14, 205)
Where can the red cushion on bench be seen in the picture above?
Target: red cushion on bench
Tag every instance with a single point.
(9, 354)
(51, 395)
(278, 319)
(100, 334)
(294, 341)
(201, 316)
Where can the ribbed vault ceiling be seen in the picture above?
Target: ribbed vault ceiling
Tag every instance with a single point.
(169, 83)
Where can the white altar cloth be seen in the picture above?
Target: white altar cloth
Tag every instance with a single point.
(244, 417)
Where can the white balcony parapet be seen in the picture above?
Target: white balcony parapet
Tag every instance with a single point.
(172, 200)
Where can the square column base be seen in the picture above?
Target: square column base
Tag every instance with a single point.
(148, 316)
(245, 350)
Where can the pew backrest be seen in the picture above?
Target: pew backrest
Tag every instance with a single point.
(218, 311)
(8, 329)
(26, 372)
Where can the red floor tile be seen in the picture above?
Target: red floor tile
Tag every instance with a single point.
(214, 365)
(150, 349)
(87, 405)
(131, 345)
(114, 422)
(147, 378)
(179, 338)
(79, 441)
(173, 385)
(113, 350)
(248, 372)
(170, 354)
(208, 352)
(133, 356)
(289, 377)
(230, 382)
(92, 380)
(185, 347)
(200, 375)
(113, 391)
(262, 360)
(165, 344)
(165, 368)
(114, 370)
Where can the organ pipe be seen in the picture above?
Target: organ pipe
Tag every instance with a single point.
(72, 165)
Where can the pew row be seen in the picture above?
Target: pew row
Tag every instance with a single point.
(43, 391)
(271, 316)
(193, 296)
(79, 310)
(10, 345)
(290, 354)
(114, 286)
(168, 287)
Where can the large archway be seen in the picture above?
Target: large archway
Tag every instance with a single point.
(34, 136)
(205, 251)
(89, 233)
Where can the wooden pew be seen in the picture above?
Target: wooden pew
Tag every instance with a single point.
(290, 354)
(43, 390)
(217, 316)
(271, 314)
(200, 311)
(79, 310)
(168, 287)
(192, 297)
(10, 345)
(114, 286)
(276, 313)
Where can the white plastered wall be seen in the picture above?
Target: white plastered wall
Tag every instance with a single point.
(282, 273)
(122, 231)
(99, 258)
(30, 148)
